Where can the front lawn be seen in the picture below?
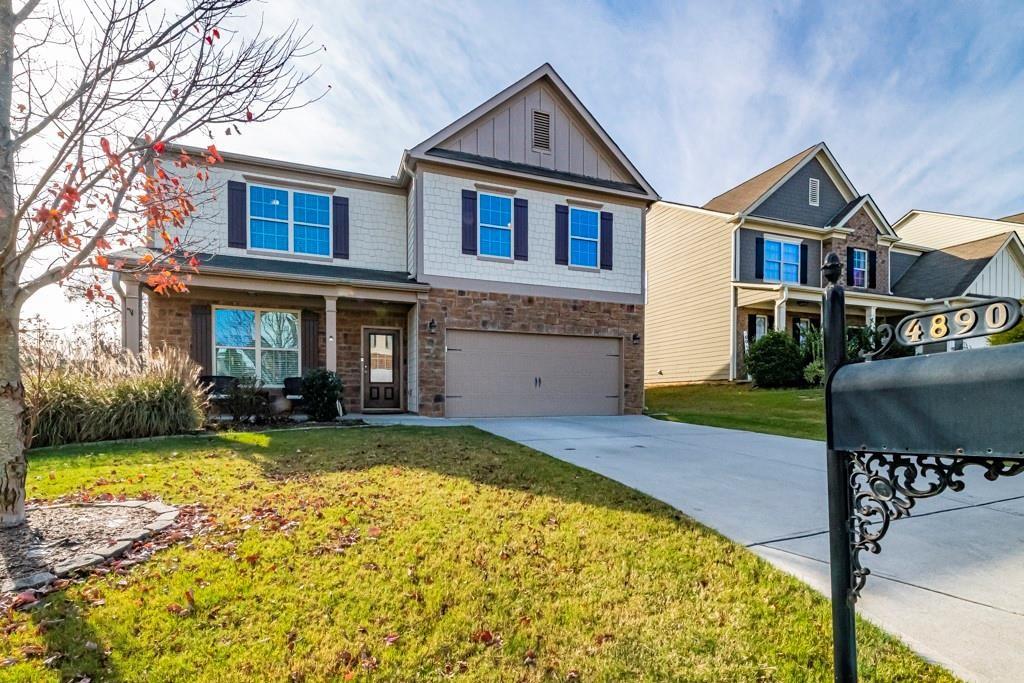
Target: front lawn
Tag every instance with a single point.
(417, 554)
(789, 412)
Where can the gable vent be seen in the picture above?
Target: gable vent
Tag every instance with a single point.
(541, 131)
(812, 192)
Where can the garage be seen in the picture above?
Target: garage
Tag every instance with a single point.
(507, 374)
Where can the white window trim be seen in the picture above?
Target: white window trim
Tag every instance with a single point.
(581, 266)
(758, 319)
(290, 222)
(865, 269)
(511, 227)
(258, 348)
(814, 192)
(781, 239)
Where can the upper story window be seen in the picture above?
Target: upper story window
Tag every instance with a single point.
(859, 267)
(256, 344)
(289, 220)
(781, 260)
(813, 191)
(495, 223)
(584, 234)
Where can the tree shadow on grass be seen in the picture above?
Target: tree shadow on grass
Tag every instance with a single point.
(464, 453)
(74, 649)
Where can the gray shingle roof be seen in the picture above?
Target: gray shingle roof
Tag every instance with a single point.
(272, 266)
(746, 193)
(949, 272)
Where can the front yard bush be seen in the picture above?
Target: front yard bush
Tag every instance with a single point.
(775, 361)
(109, 395)
(321, 390)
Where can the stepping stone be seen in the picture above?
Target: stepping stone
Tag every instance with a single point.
(134, 534)
(113, 550)
(34, 581)
(159, 508)
(77, 564)
(158, 525)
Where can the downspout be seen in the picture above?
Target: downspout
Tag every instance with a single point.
(115, 282)
(732, 297)
(781, 302)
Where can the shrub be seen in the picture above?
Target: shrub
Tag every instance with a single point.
(74, 395)
(321, 390)
(1011, 336)
(775, 360)
(246, 400)
(814, 372)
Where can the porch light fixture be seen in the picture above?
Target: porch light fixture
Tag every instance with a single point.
(636, 338)
(432, 326)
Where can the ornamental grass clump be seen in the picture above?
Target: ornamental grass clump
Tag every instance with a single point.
(109, 395)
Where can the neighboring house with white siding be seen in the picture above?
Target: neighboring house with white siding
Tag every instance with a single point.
(499, 272)
(721, 275)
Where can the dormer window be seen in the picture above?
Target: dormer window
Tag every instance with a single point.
(812, 191)
(541, 131)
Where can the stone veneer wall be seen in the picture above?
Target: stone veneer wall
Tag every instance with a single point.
(170, 324)
(469, 310)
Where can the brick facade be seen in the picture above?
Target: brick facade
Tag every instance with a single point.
(170, 324)
(468, 310)
(865, 236)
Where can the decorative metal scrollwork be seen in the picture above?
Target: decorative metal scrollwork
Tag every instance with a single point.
(886, 338)
(885, 487)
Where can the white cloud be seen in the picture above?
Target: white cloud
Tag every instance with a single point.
(921, 107)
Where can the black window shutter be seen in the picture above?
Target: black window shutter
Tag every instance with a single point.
(521, 229)
(607, 240)
(752, 328)
(310, 340)
(796, 330)
(771, 323)
(759, 258)
(201, 345)
(236, 214)
(340, 227)
(872, 263)
(849, 265)
(803, 264)
(561, 234)
(468, 222)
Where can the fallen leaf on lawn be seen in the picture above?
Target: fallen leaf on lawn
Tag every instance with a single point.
(373, 532)
(483, 636)
(603, 638)
(190, 599)
(25, 598)
(391, 639)
(175, 608)
(33, 650)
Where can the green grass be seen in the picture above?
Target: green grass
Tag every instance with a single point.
(789, 412)
(468, 557)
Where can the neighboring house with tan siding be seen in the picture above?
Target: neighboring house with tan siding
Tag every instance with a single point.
(720, 276)
(499, 272)
(937, 230)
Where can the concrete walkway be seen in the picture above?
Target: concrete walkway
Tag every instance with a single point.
(949, 580)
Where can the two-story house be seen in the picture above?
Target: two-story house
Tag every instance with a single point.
(748, 261)
(499, 272)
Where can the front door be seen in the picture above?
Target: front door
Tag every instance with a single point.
(381, 370)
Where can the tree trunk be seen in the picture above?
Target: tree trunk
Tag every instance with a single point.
(13, 467)
(12, 394)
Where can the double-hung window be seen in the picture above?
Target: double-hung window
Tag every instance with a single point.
(495, 223)
(289, 220)
(781, 261)
(584, 235)
(256, 344)
(860, 268)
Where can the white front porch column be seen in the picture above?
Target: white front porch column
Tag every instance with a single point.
(870, 315)
(131, 317)
(780, 315)
(331, 323)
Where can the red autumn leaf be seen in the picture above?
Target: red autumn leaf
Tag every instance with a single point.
(25, 598)
(248, 115)
(102, 261)
(483, 636)
(175, 608)
(159, 147)
(105, 146)
(391, 639)
(209, 40)
(216, 157)
(152, 65)
(216, 33)
(190, 599)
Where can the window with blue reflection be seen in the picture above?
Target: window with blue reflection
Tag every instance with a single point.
(268, 218)
(781, 261)
(584, 235)
(495, 225)
(312, 224)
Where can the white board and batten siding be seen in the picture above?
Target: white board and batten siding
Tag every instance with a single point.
(1001, 277)
(506, 133)
(689, 295)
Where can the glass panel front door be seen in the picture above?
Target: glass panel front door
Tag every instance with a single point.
(381, 370)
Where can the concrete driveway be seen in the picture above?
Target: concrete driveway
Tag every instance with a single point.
(949, 580)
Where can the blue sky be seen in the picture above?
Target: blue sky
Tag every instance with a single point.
(922, 103)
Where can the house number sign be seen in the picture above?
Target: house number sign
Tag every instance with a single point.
(959, 322)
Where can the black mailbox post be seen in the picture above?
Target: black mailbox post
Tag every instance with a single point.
(908, 428)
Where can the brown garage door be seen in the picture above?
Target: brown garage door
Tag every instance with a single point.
(502, 374)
